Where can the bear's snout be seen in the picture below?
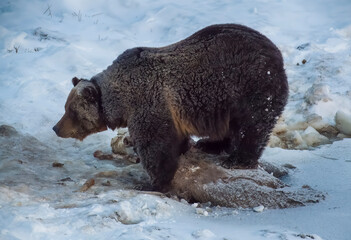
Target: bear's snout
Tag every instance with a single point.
(56, 129)
(64, 128)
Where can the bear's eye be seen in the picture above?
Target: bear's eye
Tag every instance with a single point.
(72, 113)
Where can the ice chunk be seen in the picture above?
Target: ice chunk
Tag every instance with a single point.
(275, 141)
(294, 138)
(321, 125)
(343, 122)
(313, 138)
(310, 130)
(126, 214)
(201, 211)
(316, 93)
(258, 208)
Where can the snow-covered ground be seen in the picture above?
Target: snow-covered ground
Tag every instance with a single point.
(43, 44)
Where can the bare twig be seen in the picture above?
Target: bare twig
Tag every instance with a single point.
(48, 11)
(17, 47)
(78, 15)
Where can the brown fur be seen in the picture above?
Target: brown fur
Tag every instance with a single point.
(225, 82)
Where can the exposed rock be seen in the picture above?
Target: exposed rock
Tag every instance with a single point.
(329, 131)
(57, 165)
(7, 131)
(101, 156)
(88, 184)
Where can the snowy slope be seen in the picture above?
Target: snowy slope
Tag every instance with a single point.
(43, 44)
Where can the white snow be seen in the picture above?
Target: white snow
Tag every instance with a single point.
(44, 44)
(204, 234)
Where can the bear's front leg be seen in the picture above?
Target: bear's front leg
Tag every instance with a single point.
(158, 146)
(160, 164)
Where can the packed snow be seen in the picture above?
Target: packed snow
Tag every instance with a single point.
(43, 44)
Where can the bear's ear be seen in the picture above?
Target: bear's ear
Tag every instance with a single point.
(75, 81)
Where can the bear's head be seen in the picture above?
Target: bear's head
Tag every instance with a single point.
(83, 114)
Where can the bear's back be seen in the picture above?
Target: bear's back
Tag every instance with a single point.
(217, 64)
(218, 56)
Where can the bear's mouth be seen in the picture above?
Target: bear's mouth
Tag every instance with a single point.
(76, 134)
(67, 134)
(72, 134)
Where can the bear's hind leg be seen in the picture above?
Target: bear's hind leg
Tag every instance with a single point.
(246, 149)
(248, 140)
(250, 133)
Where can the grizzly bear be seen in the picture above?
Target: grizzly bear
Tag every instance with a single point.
(225, 83)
